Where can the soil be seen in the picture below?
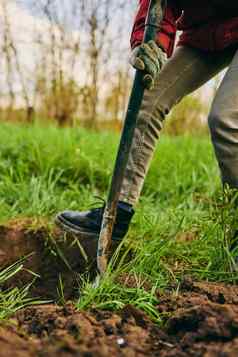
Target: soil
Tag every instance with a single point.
(201, 319)
(49, 254)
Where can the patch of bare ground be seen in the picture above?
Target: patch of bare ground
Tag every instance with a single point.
(201, 319)
(49, 254)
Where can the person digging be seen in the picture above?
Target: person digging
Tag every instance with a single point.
(208, 43)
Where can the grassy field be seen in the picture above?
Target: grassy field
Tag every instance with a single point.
(182, 225)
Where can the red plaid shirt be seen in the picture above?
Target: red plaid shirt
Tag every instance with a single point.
(203, 25)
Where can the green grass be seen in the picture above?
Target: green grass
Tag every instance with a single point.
(46, 170)
(13, 299)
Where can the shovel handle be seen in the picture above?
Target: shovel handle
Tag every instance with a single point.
(154, 18)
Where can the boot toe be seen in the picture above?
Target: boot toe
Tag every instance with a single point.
(68, 215)
(74, 217)
(79, 221)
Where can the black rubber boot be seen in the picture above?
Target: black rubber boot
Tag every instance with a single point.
(88, 223)
(86, 227)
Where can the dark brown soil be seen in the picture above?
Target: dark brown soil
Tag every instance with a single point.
(49, 253)
(199, 320)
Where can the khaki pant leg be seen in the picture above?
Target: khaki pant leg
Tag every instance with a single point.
(186, 71)
(223, 123)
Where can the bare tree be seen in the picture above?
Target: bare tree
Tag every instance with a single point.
(79, 59)
(13, 64)
(98, 19)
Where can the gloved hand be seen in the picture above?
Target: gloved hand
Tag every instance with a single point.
(149, 58)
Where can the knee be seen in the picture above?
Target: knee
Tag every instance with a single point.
(212, 120)
(161, 110)
(157, 110)
(216, 122)
(156, 113)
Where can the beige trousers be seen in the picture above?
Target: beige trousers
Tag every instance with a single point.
(185, 72)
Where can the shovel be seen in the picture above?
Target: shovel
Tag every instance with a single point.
(154, 17)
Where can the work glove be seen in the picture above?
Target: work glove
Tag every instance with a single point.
(149, 58)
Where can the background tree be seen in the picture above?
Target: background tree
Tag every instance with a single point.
(68, 61)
